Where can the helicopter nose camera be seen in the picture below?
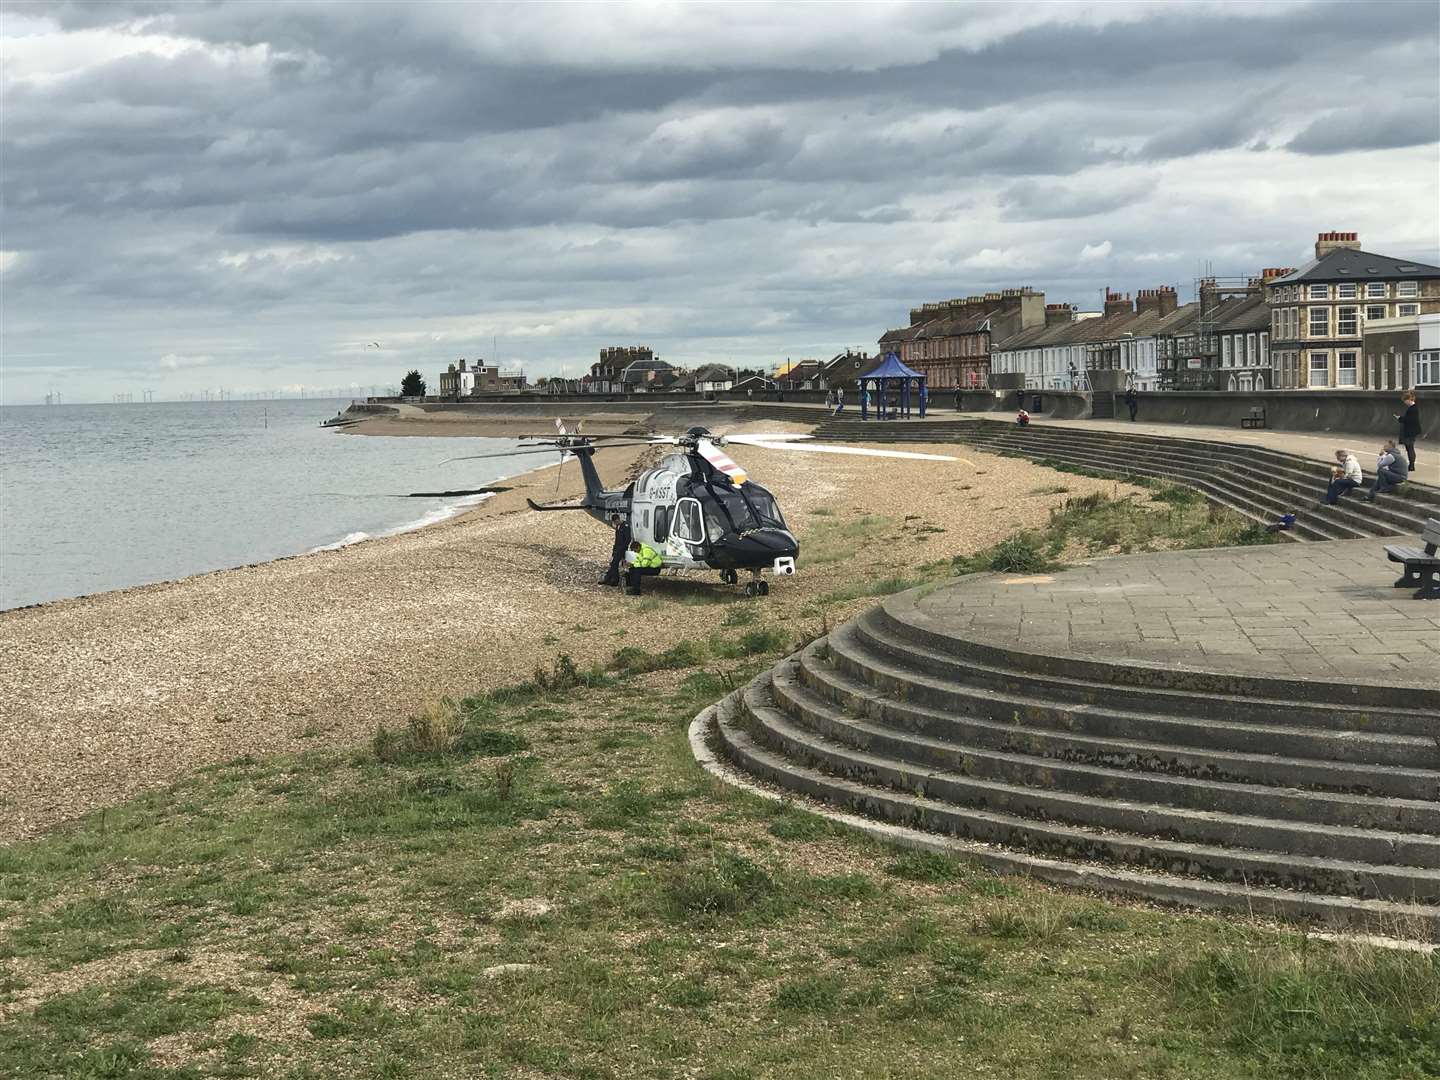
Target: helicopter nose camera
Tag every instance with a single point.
(785, 565)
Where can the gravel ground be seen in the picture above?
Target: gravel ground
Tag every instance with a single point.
(108, 695)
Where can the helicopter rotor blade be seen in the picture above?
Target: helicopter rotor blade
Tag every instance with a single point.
(820, 448)
(553, 449)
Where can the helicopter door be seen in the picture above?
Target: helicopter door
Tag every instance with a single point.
(689, 524)
(662, 524)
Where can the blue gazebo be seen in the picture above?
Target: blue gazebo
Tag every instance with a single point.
(881, 380)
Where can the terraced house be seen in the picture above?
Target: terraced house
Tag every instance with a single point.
(949, 342)
(1125, 337)
(1318, 313)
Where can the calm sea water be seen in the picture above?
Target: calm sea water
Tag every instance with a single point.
(99, 497)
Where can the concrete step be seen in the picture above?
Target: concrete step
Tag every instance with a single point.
(1284, 486)
(973, 716)
(971, 665)
(736, 744)
(956, 775)
(904, 730)
(897, 791)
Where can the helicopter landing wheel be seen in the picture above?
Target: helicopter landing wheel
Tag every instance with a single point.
(752, 588)
(763, 587)
(729, 577)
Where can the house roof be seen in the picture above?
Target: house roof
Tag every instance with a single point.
(1347, 264)
(714, 373)
(1093, 331)
(1246, 313)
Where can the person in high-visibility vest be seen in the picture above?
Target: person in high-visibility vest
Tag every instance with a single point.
(644, 557)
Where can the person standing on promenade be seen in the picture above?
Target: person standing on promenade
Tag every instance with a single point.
(1132, 402)
(1343, 477)
(617, 550)
(1390, 471)
(1409, 425)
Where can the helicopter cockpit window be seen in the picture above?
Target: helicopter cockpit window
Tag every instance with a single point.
(744, 508)
(688, 525)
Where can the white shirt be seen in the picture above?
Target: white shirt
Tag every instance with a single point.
(1352, 469)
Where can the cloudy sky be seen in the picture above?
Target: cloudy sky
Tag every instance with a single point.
(247, 195)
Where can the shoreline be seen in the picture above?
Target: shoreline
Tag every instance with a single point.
(114, 694)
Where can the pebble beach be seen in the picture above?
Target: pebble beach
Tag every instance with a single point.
(109, 695)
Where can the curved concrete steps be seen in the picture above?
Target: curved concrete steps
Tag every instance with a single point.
(1256, 482)
(1185, 786)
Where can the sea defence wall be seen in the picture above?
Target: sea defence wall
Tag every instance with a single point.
(1361, 412)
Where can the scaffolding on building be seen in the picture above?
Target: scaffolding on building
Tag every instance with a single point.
(1194, 367)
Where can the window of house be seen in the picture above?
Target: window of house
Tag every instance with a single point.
(1249, 350)
(1407, 309)
(1375, 290)
(1407, 288)
(1427, 368)
(1374, 311)
(1264, 349)
(1225, 350)
(1319, 369)
(1319, 322)
(1346, 291)
(1347, 321)
(1346, 369)
(1319, 292)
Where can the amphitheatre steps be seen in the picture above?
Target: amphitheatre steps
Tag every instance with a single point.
(1259, 483)
(1236, 790)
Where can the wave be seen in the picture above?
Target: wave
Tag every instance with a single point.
(430, 517)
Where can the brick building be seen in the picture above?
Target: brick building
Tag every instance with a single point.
(949, 342)
(1318, 313)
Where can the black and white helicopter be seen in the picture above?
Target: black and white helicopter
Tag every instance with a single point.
(697, 508)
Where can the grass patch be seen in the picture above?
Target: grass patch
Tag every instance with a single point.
(334, 915)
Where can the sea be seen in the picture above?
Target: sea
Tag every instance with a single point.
(101, 497)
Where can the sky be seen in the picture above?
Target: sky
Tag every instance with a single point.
(275, 196)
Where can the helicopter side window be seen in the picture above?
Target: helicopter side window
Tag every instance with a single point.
(688, 525)
(662, 523)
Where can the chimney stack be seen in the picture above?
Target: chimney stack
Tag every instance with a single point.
(1116, 303)
(1327, 242)
(1057, 314)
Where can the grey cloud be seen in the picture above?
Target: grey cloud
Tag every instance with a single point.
(1368, 128)
(1035, 200)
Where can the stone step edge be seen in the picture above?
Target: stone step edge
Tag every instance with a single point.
(1228, 829)
(896, 639)
(1223, 860)
(990, 428)
(840, 682)
(1267, 493)
(1260, 689)
(1379, 917)
(1326, 776)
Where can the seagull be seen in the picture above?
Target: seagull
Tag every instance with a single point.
(373, 345)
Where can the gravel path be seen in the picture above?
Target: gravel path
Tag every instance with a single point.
(109, 695)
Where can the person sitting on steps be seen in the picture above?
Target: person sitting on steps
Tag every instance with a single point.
(1343, 477)
(1390, 470)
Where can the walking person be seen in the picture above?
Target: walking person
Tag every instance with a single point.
(617, 550)
(1132, 401)
(1409, 419)
(1345, 476)
(1390, 470)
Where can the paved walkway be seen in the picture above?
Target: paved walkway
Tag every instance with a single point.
(1325, 611)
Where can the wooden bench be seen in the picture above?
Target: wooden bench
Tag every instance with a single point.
(1420, 565)
(1256, 419)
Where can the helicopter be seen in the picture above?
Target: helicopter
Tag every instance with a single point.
(697, 507)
